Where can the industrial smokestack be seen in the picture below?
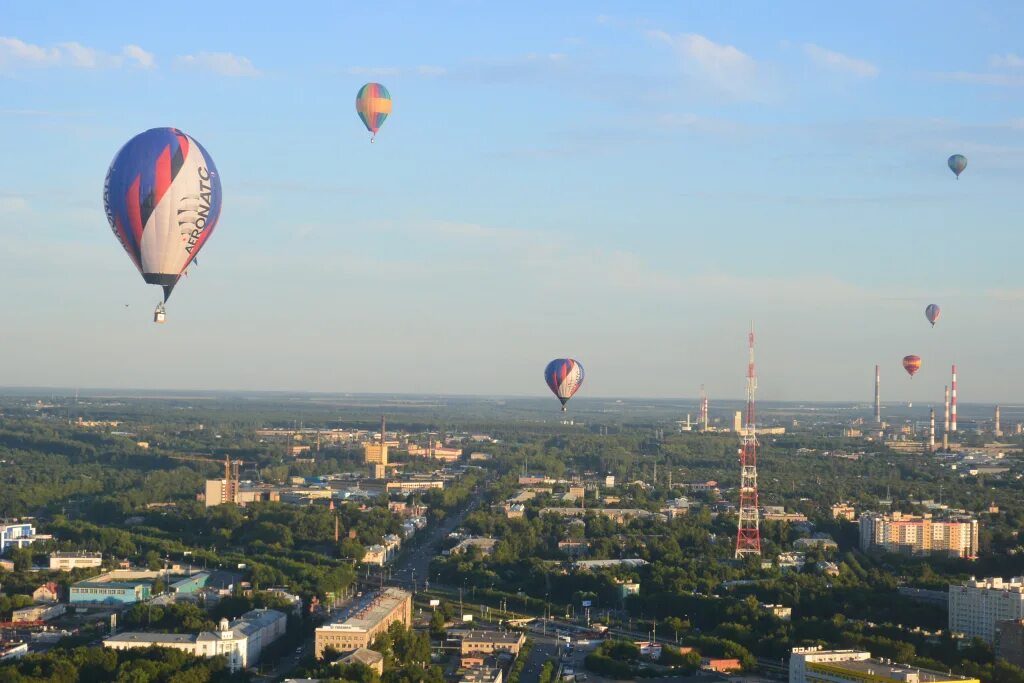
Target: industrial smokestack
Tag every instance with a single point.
(945, 428)
(878, 396)
(931, 430)
(998, 430)
(952, 405)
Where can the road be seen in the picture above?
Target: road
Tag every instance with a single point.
(544, 648)
(414, 564)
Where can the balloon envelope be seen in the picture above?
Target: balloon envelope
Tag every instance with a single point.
(162, 197)
(911, 364)
(957, 164)
(564, 377)
(373, 104)
(932, 312)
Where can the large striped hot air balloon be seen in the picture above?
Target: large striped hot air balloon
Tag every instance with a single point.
(564, 376)
(373, 104)
(911, 364)
(162, 197)
(957, 164)
(932, 312)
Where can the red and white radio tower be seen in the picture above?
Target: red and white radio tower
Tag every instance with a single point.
(748, 536)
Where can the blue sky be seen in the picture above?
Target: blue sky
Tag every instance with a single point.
(626, 183)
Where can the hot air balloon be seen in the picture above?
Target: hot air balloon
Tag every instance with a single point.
(565, 377)
(957, 164)
(373, 104)
(932, 312)
(162, 197)
(912, 364)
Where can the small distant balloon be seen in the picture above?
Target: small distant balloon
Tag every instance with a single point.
(957, 164)
(911, 364)
(932, 312)
(373, 104)
(564, 377)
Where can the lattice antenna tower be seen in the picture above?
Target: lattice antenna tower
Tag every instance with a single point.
(748, 534)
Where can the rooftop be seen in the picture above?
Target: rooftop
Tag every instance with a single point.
(1014, 585)
(894, 671)
(368, 612)
(488, 636)
(363, 655)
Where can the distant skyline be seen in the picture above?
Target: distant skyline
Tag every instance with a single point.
(628, 184)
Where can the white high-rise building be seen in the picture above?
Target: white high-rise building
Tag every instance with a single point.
(976, 606)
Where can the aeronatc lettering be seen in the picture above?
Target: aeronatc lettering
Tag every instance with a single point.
(205, 199)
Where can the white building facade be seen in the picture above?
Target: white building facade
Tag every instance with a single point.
(976, 606)
(241, 642)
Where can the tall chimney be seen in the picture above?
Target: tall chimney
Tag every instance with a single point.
(945, 429)
(878, 396)
(999, 431)
(383, 427)
(952, 405)
(931, 431)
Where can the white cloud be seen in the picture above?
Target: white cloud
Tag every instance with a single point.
(836, 61)
(83, 57)
(220, 63)
(1007, 61)
(16, 52)
(726, 68)
(141, 58)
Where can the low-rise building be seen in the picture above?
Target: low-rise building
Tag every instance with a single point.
(111, 592)
(816, 665)
(484, 545)
(603, 564)
(366, 657)
(627, 588)
(844, 511)
(128, 586)
(48, 592)
(241, 641)
(35, 613)
(619, 515)
(481, 674)
(65, 562)
(719, 665)
(364, 620)
(823, 541)
(19, 535)
(12, 649)
(487, 642)
(780, 612)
